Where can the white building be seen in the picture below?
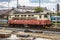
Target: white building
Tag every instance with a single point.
(29, 9)
(25, 9)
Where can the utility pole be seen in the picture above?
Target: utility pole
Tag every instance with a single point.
(39, 3)
(57, 13)
(17, 3)
(8, 10)
(8, 4)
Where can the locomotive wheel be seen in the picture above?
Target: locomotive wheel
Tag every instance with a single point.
(26, 26)
(19, 25)
(47, 27)
(10, 25)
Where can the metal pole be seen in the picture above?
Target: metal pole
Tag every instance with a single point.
(39, 3)
(8, 4)
(56, 20)
(17, 3)
(8, 10)
(57, 13)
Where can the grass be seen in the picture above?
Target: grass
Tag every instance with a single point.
(55, 23)
(2, 23)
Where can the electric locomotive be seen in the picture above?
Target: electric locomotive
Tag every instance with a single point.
(30, 19)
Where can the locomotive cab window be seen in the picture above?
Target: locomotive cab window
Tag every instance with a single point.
(45, 16)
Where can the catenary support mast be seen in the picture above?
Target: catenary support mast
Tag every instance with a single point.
(17, 3)
(39, 3)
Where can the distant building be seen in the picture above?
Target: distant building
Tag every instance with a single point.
(25, 9)
(28, 9)
(4, 13)
(20, 9)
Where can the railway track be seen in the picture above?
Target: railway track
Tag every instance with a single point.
(36, 28)
(53, 31)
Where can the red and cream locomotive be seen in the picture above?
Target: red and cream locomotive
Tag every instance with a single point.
(30, 19)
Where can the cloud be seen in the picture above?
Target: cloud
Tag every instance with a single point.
(6, 0)
(13, 3)
(5, 4)
(53, 0)
(49, 6)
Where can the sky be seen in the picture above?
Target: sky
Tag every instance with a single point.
(50, 4)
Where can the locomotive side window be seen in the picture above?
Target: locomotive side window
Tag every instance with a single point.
(16, 15)
(30, 15)
(39, 16)
(23, 15)
(45, 16)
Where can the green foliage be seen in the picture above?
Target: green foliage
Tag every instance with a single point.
(58, 14)
(55, 14)
(38, 9)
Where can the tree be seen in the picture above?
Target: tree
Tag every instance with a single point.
(58, 14)
(38, 9)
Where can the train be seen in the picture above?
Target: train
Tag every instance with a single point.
(30, 19)
(55, 19)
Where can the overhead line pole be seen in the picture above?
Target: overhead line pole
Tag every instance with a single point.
(8, 10)
(39, 3)
(17, 3)
(57, 13)
(8, 4)
(8, 7)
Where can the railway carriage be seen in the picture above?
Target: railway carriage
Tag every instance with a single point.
(55, 18)
(30, 19)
